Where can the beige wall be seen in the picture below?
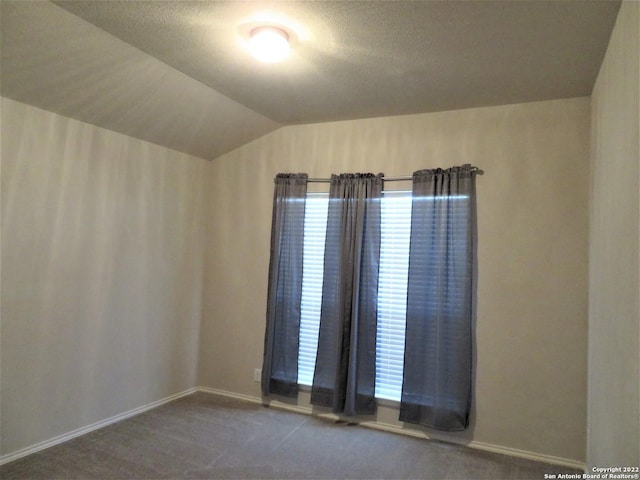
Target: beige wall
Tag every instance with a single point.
(614, 264)
(533, 227)
(102, 247)
(102, 242)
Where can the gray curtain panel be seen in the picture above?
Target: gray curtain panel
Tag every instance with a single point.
(436, 390)
(345, 371)
(280, 364)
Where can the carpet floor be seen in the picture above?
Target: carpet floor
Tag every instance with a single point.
(204, 436)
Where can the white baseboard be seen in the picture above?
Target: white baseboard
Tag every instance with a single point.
(225, 393)
(292, 408)
(513, 452)
(387, 427)
(23, 452)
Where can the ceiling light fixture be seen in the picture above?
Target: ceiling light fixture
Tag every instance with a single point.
(269, 44)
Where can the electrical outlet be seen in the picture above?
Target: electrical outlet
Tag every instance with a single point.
(257, 375)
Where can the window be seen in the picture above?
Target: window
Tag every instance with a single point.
(315, 225)
(392, 289)
(419, 347)
(392, 293)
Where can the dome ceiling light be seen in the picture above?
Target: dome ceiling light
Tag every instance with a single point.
(269, 44)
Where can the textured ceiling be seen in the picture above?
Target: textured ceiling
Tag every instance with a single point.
(58, 62)
(143, 67)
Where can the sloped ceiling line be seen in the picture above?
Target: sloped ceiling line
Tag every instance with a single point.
(174, 73)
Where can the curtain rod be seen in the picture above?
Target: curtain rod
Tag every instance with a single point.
(386, 179)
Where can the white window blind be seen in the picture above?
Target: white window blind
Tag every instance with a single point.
(392, 284)
(392, 289)
(392, 293)
(315, 228)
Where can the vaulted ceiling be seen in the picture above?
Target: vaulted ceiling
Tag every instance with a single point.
(175, 73)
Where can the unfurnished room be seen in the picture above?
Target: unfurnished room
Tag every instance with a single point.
(325, 239)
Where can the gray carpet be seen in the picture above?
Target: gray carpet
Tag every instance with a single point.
(207, 436)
